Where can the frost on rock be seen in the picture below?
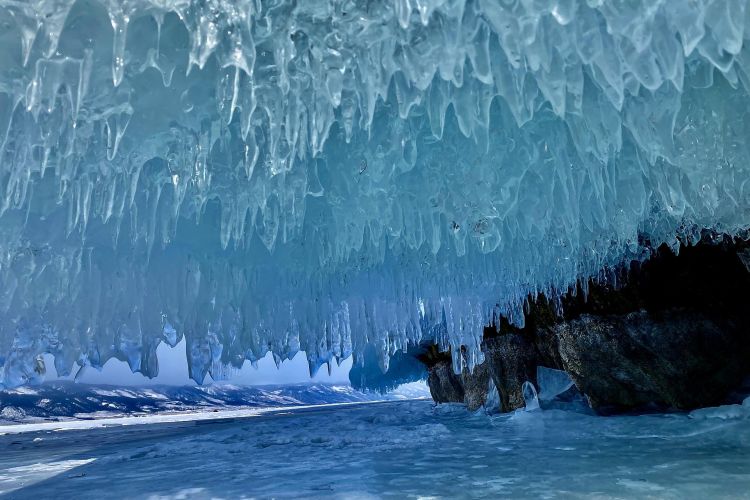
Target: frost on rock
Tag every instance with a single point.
(327, 175)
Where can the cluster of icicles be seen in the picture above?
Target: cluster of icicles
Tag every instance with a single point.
(324, 176)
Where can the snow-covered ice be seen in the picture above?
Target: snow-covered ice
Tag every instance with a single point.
(397, 449)
(52, 403)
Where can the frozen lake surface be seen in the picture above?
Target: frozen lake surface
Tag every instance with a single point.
(390, 449)
(68, 401)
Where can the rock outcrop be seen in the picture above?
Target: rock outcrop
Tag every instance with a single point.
(678, 359)
(675, 335)
(445, 386)
(469, 388)
(511, 360)
(475, 386)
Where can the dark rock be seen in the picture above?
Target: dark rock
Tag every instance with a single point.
(445, 386)
(475, 386)
(680, 359)
(469, 388)
(673, 331)
(744, 256)
(512, 360)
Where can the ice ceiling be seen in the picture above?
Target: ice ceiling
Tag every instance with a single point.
(330, 175)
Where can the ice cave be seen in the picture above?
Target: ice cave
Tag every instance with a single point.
(374, 248)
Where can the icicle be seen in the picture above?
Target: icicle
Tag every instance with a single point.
(119, 22)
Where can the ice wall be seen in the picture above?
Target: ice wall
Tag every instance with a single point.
(330, 174)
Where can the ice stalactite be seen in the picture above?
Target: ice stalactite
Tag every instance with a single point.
(327, 176)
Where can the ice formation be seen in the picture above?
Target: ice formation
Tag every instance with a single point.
(327, 175)
(530, 397)
(552, 382)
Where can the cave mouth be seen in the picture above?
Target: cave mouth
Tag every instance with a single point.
(667, 334)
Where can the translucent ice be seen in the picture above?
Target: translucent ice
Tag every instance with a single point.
(530, 396)
(552, 382)
(493, 402)
(328, 175)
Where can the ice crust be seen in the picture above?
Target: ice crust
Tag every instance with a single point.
(328, 175)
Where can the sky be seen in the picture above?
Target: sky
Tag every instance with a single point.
(173, 370)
